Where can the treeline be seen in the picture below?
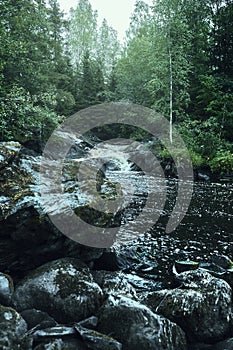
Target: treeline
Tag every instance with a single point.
(177, 59)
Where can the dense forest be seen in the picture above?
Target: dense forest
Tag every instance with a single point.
(177, 59)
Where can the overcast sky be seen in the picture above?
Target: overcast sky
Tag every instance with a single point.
(116, 12)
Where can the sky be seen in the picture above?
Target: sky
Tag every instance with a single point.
(116, 12)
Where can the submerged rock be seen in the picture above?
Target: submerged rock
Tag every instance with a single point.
(64, 289)
(137, 327)
(201, 305)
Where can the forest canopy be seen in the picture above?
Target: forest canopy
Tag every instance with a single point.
(177, 59)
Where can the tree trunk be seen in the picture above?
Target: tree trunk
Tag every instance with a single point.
(171, 95)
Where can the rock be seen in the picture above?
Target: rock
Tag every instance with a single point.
(223, 261)
(64, 288)
(98, 341)
(37, 319)
(186, 265)
(203, 177)
(28, 238)
(12, 330)
(6, 289)
(90, 322)
(53, 332)
(201, 306)
(141, 284)
(114, 283)
(200, 346)
(62, 344)
(8, 151)
(224, 345)
(137, 327)
(114, 259)
(124, 258)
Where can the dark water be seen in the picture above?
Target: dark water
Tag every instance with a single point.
(206, 230)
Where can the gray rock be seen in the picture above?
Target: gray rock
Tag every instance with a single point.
(137, 327)
(114, 283)
(37, 319)
(8, 151)
(90, 322)
(53, 332)
(224, 345)
(12, 330)
(98, 341)
(201, 306)
(6, 289)
(222, 261)
(62, 344)
(64, 288)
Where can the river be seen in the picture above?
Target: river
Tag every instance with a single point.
(206, 230)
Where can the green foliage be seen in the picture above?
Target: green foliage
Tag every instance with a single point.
(205, 143)
(222, 162)
(22, 120)
(177, 59)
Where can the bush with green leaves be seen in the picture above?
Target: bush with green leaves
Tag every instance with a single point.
(22, 120)
(206, 144)
(222, 162)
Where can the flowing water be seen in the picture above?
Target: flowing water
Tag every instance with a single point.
(206, 230)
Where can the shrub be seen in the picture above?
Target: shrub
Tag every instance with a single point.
(21, 120)
(222, 162)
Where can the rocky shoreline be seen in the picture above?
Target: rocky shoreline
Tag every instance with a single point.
(64, 304)
(56, 294)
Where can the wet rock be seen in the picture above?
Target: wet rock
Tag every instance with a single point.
(6, 289)
(64, 289)
(97, 341)
(224, 345)
(186, 265)
(37, 319)
(90, 322)
(28, 238)
(114, 283)
(114, 259)
(12, 330)
(137, 327)
(141, 284)
(62, 344)
(223, 261)
(53, 332)
(202, 176)
(201, 306)
(8, 152)
(200, 346)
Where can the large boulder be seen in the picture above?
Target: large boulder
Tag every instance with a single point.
(64, 289)
(28, 237)
(201, 305)
(137, 327)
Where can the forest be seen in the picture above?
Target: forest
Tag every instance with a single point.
(177, 59)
